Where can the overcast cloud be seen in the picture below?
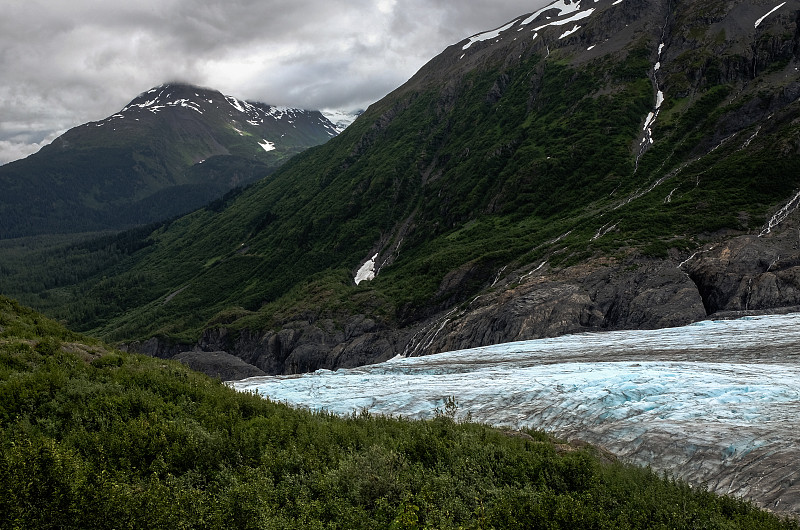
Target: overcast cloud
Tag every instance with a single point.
(67, 63)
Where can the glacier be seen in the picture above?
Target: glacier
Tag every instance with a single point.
(713, 403)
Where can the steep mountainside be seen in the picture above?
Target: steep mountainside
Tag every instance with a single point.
(172, 149)
(593, 165)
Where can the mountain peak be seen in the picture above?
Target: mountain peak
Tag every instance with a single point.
(162, 96)
(147, 161)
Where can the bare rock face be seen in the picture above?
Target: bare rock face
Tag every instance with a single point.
(218, 364)
(587, 297)
(744, 273)
(305, 346)
(593, 296)
(155, 347)
(740, 274)
(749, 273)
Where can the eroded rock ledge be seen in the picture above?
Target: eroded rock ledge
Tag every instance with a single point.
(739, 276)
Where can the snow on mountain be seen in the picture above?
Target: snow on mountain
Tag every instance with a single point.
(267, 145)
(561, 13)
(487, 35)
(760, 20)
(367, 271)
(725, 393)
(552, 13)
(340, 119)
(201, 101)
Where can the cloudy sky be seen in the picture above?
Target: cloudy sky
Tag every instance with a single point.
(67, 63)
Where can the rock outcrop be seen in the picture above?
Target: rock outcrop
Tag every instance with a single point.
(749, 273)
(218, 364)
(592, 296)
(736, 276)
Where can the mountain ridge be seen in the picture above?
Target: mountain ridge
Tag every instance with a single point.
(144, 163)
(521, 187)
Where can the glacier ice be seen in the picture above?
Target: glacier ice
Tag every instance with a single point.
(713, 403)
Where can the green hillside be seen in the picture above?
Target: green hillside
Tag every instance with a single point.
(493, 161)
(457, 175)
(171, 150)
(91, 437)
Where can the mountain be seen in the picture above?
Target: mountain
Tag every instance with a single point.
(170, 150)
(593, 165)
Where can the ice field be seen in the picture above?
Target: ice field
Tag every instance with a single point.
(716, 403)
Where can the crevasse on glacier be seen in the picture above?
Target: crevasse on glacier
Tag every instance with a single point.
(714, 403)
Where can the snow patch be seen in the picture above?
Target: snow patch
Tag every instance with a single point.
(487, 35)
(651, 117)
(760, 20)
(235, 103)
(649, 120)
(570, 32)
(564, 22)
(367, 271)
(267, 145)
(186, 103)
(562, 6)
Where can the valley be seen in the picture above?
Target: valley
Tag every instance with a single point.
(712, 403)
(548, 226)
(503, 193)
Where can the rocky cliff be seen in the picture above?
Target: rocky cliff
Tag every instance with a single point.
(734, 277)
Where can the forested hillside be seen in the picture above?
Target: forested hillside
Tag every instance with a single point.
(171, 150)
(91, 437)
(592, 166)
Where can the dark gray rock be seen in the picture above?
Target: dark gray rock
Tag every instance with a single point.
(749, 273)
(588, 297)
(218, 364)
(740, 275)
(155, 347)
(303, 346)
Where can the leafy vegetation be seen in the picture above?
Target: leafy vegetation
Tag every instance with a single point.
(96, 438)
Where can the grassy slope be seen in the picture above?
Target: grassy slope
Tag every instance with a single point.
(94, 438)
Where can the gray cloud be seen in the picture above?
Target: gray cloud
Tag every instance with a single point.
(66, 63)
